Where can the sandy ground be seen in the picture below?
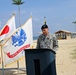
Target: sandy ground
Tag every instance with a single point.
(66, 57)
(65, 60)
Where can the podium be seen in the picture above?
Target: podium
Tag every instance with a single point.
(40, 62)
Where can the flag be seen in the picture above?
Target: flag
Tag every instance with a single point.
(8, 29)
(19, 41)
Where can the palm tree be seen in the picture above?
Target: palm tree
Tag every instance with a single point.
(18, 2)
(75, 26)
(74, 22)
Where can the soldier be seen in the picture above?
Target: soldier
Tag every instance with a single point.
(47, 40)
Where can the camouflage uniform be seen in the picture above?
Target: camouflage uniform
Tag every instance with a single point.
(49, 42)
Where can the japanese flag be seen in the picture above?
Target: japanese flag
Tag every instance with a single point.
(8, 29)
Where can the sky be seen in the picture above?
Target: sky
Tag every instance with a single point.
(59, 14)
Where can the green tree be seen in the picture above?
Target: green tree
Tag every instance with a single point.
(18, 2)
(75, 25)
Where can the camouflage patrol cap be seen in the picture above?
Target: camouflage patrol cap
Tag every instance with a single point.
(44, 26)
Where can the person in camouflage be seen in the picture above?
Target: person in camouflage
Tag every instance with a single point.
(47, 40)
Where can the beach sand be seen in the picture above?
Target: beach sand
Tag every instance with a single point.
(65, 59)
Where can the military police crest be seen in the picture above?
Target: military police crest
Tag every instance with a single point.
(19, 38)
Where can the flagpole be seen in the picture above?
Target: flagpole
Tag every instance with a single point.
(2, 61)
(18, 66)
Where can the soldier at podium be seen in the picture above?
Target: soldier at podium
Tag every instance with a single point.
(47, 40)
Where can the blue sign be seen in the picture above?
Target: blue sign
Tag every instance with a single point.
(19, 38)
